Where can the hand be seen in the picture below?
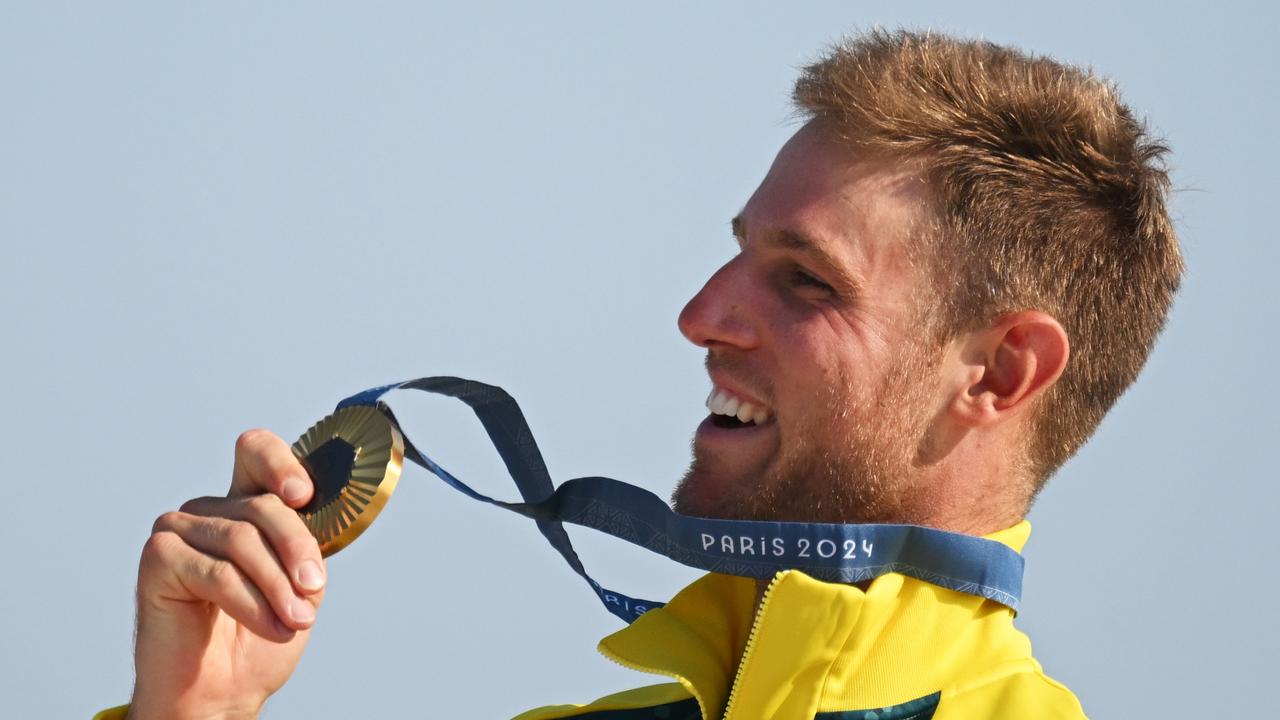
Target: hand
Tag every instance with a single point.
(227, 592)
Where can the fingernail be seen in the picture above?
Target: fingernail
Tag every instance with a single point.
(293, 490)
(310, 576)
(301, 611)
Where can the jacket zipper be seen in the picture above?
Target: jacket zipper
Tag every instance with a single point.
(746, 651)
(702, 706)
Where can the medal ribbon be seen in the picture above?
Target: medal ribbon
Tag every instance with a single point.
(748, 548)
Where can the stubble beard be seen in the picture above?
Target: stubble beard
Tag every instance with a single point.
(857, 461)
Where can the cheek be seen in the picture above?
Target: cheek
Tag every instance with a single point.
(814, 365)
(828, 366)
(829, 342)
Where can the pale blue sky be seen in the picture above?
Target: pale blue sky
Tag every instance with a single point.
(230, 214)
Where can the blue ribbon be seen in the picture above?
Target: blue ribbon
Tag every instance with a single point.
(758, 549)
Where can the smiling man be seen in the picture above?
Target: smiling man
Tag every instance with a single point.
(824, 363)
(948, 276)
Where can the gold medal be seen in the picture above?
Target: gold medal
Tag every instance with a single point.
(354, 458)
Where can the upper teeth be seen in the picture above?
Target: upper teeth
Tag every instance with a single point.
(720, 402)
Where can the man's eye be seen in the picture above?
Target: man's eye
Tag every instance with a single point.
(800, 278)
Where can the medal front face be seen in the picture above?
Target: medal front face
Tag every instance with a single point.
(354, 458)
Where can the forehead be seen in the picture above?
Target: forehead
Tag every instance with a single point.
(858, 208)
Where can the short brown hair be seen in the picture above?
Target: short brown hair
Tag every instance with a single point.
(1048, 195)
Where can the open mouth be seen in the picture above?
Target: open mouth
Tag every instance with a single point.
(725, 422)
(730, 412)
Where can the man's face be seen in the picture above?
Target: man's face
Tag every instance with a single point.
(817, 324)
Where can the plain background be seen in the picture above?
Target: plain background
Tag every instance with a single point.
(223, 215)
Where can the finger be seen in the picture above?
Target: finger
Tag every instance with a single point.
(265, 463)
(212, 580)
(240, 544)
(286, 534)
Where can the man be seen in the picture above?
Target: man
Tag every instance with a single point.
(947, 277)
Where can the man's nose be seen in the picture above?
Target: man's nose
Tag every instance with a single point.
(717, 316)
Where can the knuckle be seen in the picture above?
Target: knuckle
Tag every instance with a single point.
(159, 548)
(282, 527)
(265, 505)
(193, 505)
(265, 502)
(298, 546)
(166, 521)
(222, 575)
(241, 535)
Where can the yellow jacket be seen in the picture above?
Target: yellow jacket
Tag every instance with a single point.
(900, 650)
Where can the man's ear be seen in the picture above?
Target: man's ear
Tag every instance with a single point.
(1008, 365)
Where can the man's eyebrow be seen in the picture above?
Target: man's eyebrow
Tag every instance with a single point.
(805, 245)
(788, 239)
